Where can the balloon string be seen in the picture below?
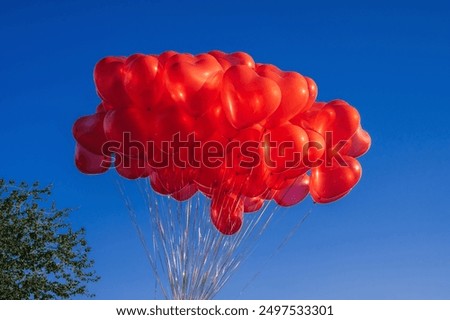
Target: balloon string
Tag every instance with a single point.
(189, 258)
(277, 250)
(132, 214)
(284, 242)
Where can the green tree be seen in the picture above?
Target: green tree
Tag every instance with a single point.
(41, 256)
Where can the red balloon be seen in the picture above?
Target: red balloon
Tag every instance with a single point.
(170, 125)
(277, 181)
(296, 190)
(90, 163)
(252, 204)
(294, 94)
(285, 147)
(227, 213)
(163, 57)
(102, 107)
(226, 180)
(131, 168)
(359, 143)
(233, 59)
(173, 178)
(131, 131)
(339, 118)
(193, 81)
(245, 151)
(185, 193)
(252, 184)
(211, 178)
(316, 148)
(214, 121)
(248, 98)
(109, 80)
(312, 89)
(209, 154)
(306, 118)
(143, 80)
(331, 183)
(88, 131)
(157, 185)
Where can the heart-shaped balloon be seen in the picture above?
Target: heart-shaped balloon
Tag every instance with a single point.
(296, 190)
(252, 204)
(306, 118)
(294, 94)
(131, 129)
(88, 131)
(90, 163)
(130, 167)
(109, 74)
(337, 118)
(102, 107)
(166, 55)
(316, 148)
(143, 80)
(277, 181)
(210, 178)
(156, 184)
(193, 81)
(227, 213)
(329, 183)
(170, 126)
(313, 91)
(285, 148)
(359, 143)
(213, 122)
(247, 97)
(252, 184)
(185, 193)
(244, 151)
(174, 179)
(233, 59)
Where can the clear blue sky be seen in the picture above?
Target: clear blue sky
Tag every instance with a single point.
(388, 239)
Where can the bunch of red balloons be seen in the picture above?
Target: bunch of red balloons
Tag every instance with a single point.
(238, 131)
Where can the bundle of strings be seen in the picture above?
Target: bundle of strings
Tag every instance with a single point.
(189, 258)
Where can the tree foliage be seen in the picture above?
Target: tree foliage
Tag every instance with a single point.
(41, 256)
